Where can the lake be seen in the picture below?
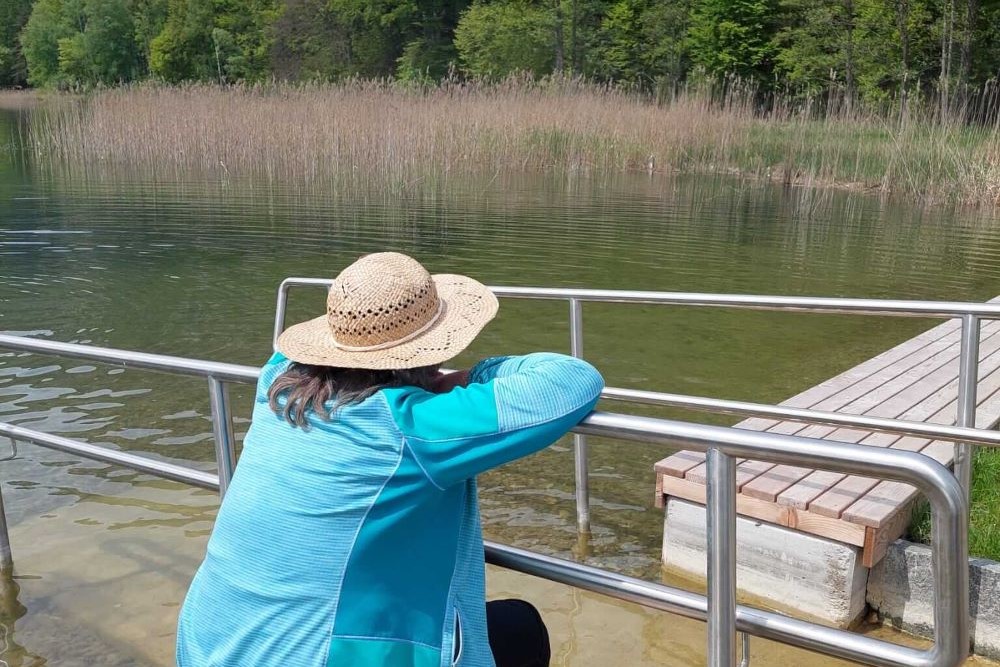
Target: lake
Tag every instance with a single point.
(189, 265)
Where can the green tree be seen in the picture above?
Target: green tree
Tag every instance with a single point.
(243, 39)
(148, 17)
(643, 41)
(45, 28)
(498, 38)
(223, 40)
(310, 42)
(109, 45)
(13, 15)
(184, 50)
(80, 42)
(817, 45)
(733, 37)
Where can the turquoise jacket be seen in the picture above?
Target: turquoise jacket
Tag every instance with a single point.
(357, 541)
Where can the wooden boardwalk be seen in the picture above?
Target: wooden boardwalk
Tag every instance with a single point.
(915, 381)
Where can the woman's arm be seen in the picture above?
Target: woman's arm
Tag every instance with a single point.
(509, 408)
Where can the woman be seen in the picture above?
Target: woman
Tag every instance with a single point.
(350, 533)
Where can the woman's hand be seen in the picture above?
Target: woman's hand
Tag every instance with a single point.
(445, 382)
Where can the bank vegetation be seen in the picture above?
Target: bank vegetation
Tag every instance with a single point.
(389, 132)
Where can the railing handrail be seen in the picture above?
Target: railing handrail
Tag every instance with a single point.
(831, 305)
(934, 480)
(723, 445)
(248, 375)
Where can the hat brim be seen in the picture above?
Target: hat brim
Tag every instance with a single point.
(467, 307)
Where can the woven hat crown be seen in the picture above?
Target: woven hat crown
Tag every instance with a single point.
(381, 300)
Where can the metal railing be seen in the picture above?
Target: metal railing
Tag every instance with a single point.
(723, 445)
(964, 433)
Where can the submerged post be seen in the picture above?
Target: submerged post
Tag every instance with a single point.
(968, 380)
(579, 441)
(721, 507)
(6, 557)
(222, 432)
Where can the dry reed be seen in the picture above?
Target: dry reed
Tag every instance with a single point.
(386, 133)
(18, 99)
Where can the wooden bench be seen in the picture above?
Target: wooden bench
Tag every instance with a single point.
(915, 381)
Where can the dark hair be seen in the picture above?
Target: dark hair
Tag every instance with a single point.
(304, 387)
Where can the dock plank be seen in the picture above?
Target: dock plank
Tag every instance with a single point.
(852, 488)
(892, 360)
(891, 399)
(765, 511)
(914, 381)
(913, 362)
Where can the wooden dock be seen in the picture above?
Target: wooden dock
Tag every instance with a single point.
(915, 381)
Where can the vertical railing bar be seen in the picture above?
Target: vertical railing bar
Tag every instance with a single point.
(968, 380)
(6, 556)
(721, 554)
(279, 312)
(222, 432)
(745, 653)
(580, 454)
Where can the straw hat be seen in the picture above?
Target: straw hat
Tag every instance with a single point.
(386, 311)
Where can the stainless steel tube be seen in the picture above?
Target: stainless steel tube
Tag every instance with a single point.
(938, 484)
(721, 555)
(781, 412)
(760, 623)
(249, 374)
(130, 359)
(892, 307)
(940, 487)
(580, 453)
(163, 469)
(222, 432)
(6, 556)
(968, 383)
(282, 302)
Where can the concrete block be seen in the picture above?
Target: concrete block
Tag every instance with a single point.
(901, 590)
(800, 574)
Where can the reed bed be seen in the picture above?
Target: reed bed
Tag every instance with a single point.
(385, 132)
(18, 99)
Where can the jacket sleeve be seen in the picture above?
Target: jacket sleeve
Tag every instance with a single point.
(511, 407)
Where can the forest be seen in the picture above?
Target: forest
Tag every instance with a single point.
(878, 51)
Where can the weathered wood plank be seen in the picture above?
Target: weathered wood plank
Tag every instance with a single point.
(915, 381)
(877, 540)
(788, 517)
(852, 488)
(893, 361)
(766, 482)
(886, 499)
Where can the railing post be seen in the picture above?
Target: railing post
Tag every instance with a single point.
(968, 381)
(721, 508)
(6, 557)
(579, 441)
(279, 312)
(222, 432)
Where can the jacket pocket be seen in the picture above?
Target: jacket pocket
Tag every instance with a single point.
(458, 641)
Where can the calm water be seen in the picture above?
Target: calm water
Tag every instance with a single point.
(189, 266)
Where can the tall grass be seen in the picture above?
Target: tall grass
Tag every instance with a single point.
(388, 132)
(18, 99)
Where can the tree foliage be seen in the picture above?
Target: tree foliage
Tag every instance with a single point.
(879, 50)
(497, 39)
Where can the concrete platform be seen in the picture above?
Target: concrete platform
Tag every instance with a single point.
(798, 573)
(901, 590)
